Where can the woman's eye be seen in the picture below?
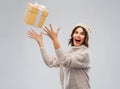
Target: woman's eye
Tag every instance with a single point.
(76, 32)
(82, 33)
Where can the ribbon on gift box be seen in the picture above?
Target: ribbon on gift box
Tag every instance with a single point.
(41, 8)
(38, 18)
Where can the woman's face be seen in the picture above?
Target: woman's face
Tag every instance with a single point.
(78, 37)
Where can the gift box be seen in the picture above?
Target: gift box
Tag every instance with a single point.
(35, 15)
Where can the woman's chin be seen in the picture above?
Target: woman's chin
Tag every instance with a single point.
(77, 45)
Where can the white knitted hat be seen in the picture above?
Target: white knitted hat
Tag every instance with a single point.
(84, 26)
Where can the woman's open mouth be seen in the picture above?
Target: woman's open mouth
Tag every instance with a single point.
(77, 41)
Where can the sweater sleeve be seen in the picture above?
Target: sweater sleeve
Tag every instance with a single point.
(79, 59)
(50, 61)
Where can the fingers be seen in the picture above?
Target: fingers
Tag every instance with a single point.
(44, 33)
(30, 36)
(29, 33)
(50, 30)
(40, 34)
(58, 30)
(50, 26)
(46, 29)
(33, 31)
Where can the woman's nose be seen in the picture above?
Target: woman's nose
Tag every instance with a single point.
(78, 36)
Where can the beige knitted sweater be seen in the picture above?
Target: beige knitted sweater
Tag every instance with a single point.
(74, 66)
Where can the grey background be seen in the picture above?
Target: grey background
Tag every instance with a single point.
(21, 64)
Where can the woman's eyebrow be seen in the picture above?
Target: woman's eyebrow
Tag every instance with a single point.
(76, 31)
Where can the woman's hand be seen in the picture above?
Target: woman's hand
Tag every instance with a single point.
(50, 32)
(53, 35)
(38, 37)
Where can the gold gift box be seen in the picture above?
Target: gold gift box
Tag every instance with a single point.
(35, 15)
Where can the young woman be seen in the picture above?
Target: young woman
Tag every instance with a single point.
(74, 64)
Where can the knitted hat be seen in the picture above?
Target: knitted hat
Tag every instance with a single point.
(84, 26)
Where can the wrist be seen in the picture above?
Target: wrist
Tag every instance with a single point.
(40, 44)
(55, 39)
(56, 43)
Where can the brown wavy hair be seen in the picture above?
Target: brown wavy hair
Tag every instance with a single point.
(85, 40)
